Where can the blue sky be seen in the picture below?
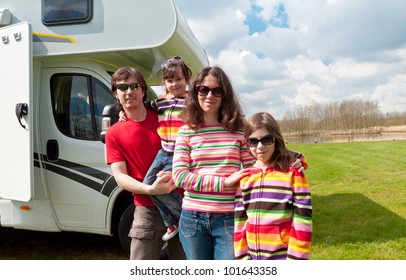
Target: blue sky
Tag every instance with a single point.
(285, 54)
(254, 22)
(257, 24)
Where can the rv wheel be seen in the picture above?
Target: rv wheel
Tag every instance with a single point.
(124, 228)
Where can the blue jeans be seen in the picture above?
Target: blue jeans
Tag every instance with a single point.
(207, 236)
(169, 205)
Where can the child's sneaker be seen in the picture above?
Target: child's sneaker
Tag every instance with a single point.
(170, 232)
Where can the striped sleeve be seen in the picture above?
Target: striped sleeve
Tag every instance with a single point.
(241, 250)
(301, 228)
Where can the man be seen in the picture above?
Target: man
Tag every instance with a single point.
(131, 148)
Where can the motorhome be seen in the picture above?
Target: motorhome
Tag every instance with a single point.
(56, 61)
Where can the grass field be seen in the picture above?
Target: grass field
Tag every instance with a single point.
(359, 209)
(359, 199)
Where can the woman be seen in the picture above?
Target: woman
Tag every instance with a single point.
(209, 154)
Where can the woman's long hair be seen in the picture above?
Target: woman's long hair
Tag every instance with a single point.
(230, 112)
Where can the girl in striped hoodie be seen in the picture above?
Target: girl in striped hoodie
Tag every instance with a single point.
(273, 211)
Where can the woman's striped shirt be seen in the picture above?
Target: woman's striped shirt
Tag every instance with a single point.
(201, 162)
(273, 216)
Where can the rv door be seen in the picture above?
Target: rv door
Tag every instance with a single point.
(17, 130)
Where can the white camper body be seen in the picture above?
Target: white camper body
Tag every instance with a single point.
(55, 81)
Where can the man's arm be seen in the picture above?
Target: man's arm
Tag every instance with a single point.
(162, 185)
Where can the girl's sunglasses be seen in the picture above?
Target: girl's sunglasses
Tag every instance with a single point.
(124, 87)
(176, 59)
(266, 140)
(204, 91)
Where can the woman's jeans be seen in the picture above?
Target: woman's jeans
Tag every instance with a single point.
(207, 236)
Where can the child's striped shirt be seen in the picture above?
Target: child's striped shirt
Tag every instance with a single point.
(170, 119)
(273, 216)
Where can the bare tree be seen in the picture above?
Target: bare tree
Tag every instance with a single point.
(354, 116)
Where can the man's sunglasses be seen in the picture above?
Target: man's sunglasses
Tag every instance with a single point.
(266, 140)
(204, 91)
(124, 87)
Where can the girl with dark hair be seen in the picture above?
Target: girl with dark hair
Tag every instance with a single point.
(273, 211)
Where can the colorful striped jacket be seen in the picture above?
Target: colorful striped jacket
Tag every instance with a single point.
(202, 161)
(273, 216)
(170, 118)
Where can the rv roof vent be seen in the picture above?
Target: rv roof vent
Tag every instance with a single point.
(5, 17)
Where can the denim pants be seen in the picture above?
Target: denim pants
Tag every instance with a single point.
(169, 205)
(207, 236)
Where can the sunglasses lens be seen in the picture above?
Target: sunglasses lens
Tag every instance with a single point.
(252, 142)
(266, 140)
(124, 87)
(134, 86)
(203, 90)
(218, 92)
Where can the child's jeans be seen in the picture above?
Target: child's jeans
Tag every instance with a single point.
(169, 205)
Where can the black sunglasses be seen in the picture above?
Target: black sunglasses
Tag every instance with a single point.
(176, 59)
(124, 87)
(204, 91)
(266, 140)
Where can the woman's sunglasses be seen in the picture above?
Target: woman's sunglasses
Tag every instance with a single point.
(124, 87)
(266, 140)
(204, 91)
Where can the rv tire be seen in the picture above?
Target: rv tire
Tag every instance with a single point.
(124, 227)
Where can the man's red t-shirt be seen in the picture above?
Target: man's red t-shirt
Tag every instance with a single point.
(136, 143)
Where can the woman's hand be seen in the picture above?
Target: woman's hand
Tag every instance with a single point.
(234, 178)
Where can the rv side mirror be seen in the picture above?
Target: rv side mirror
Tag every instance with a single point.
(109, 117)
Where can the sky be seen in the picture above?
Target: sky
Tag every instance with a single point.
(281, 55)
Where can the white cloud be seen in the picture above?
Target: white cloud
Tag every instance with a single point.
(348, 68)
(392, 95)
(332, 50)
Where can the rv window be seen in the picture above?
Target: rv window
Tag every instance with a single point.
(77, 102)
(58, 12)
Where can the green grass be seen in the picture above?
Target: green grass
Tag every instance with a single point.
(359, 199)
(359, 210)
